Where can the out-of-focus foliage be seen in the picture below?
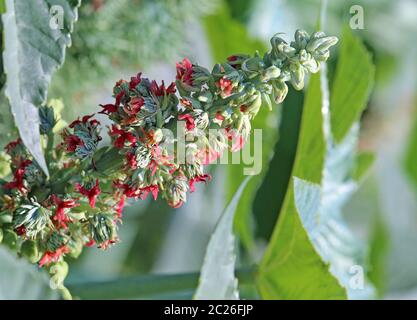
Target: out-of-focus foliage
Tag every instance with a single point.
(113, 36)
(20, 280)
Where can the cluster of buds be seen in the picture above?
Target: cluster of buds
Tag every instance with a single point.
(81, 202)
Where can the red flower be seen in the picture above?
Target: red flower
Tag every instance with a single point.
(160, 90)
(108, 109)
(123, 136)
(60, 216)
(237, 139)
(201, 178)
(238, 143)
(132, 192)
(119, 97)
(186, 103)
(120, 206)
(208, 156)
(154, 189)
(134, 81)
(11, 145)
(18, 176)
(90, 243)
(92, 193)
(225, 86)
(20, 230)
(127, 190)
(84, 120)
(50, 256)
(131, 160)
(176, 205)
(72, 142)
(107, 244)
(189, 121)
(134, 106)
(185, 71)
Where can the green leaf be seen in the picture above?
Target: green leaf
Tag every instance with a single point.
(364, 161)
(410, 159)
(217, 278)
(20, 280)
(220, 28)
(352, 84)
(291, 267)
(378, 250)
(278, 174)
(323, 180)
(32, 52)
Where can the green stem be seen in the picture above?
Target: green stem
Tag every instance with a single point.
(149, 286)
(50, 150)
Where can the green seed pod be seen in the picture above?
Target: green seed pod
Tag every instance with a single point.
(102, 228)
(1, 235)
(270, 73)
(30, 251)
(254, 106)
(280, 91)
(252, 64)
(301, 38)
(10, 239)
(297, 76)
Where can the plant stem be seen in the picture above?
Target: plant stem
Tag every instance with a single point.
(148, 286)
(49, 150)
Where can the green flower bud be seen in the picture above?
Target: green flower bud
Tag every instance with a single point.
(10, 239)
(297, 76)
(55, 241)
(301, 39)
(254, 64)
(102, 228)
(270, 73)
(254, 106)
(280, 91)
(201, 119)
(321, 43)
(30, 251)
(47, 119)
(143, 156)
(177, 192)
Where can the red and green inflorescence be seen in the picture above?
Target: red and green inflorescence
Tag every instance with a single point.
(81, 202)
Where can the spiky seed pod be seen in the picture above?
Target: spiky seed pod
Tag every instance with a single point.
(33, 217)
(102, 228)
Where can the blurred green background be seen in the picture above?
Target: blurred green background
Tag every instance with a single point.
(115, 39)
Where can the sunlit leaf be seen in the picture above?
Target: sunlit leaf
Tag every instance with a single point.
(217, 278)
(291, 267)
(34, 47)
(352, 84)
